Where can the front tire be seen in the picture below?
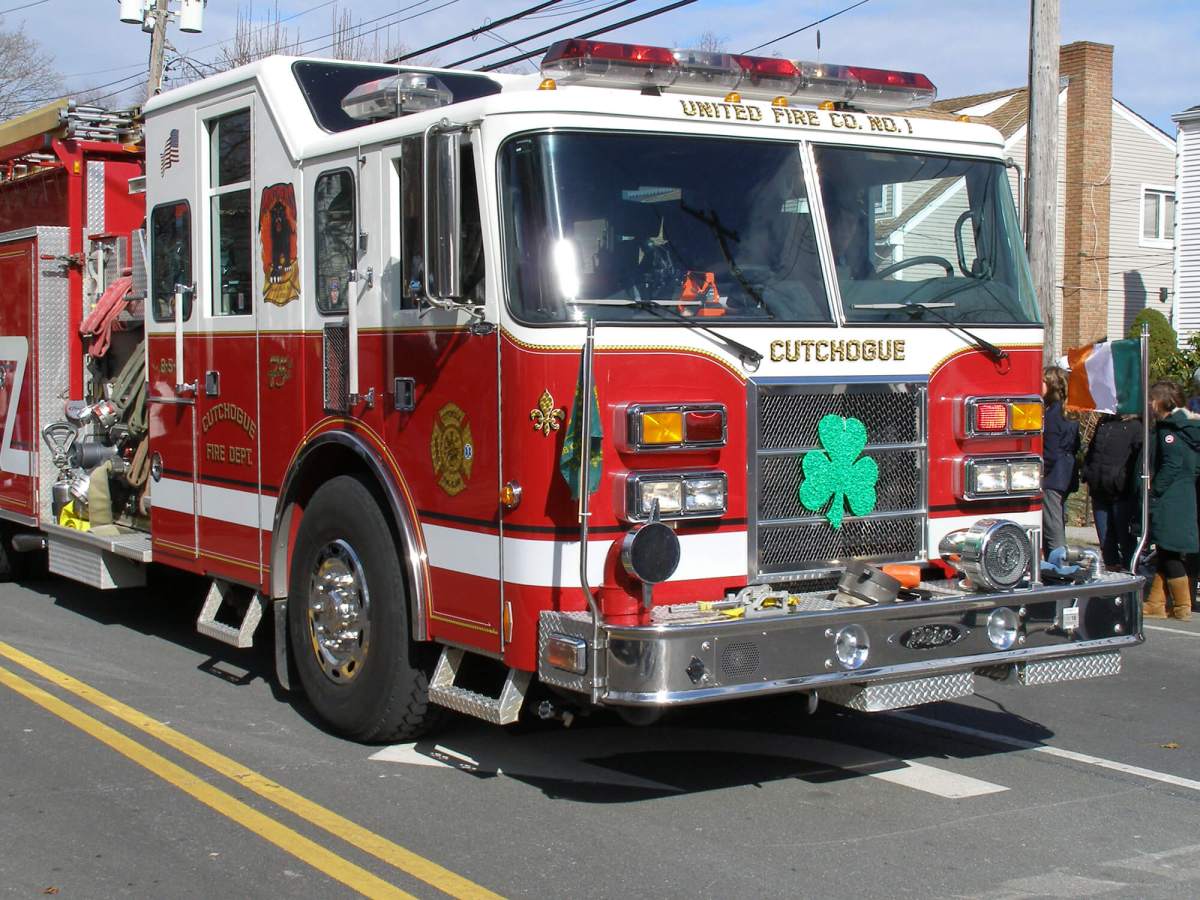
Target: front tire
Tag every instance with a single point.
(348, 619)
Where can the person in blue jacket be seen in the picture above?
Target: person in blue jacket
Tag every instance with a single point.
(1060, 443)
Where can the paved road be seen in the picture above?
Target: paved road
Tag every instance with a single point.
(140, 759)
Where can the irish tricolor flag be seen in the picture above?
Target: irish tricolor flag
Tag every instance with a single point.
(1107, 377)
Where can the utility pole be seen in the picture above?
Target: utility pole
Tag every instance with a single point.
(158, 46)
(1041, 165)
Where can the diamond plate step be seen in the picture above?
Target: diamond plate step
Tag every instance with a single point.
(502, 710)
(898, 694)
(1069, 668)
(207, 624)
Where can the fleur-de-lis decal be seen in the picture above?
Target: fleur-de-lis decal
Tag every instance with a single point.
(835, 475)
(546, 418)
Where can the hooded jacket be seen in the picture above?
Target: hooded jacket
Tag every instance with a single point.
(1060, 443)
(1173, 486)
(1109, 468)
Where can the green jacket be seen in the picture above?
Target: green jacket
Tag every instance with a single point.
(1173, 487)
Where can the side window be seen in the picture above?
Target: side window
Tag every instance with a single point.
(472, 228)
(171, 257)
(411, 223)
(333, 205)
(229, 197)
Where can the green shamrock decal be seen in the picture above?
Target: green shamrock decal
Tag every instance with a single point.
(836, 471)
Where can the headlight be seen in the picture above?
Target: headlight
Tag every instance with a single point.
(679, 495)
(990, 476)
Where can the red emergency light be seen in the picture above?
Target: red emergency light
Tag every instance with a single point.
(578, 61)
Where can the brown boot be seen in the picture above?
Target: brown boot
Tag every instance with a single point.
(1155, 606)
(1181, 598)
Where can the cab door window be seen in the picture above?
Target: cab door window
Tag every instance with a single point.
(336, 239)
(171, 259)
(229, 197)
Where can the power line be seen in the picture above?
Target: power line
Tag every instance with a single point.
(476, 31)
(530, 37)
(4, 12)
(630, 21)
(808, 26)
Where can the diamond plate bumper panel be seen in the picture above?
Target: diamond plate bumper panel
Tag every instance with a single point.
(898, 694)
(1069, 668)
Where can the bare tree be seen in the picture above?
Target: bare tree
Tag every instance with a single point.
(253, 40)
(27, 73)
(710, 42)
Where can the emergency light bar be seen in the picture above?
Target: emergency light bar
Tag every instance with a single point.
(578, 61)
(396, 95)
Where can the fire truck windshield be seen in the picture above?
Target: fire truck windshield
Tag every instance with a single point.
(915, 232)
(608, 225)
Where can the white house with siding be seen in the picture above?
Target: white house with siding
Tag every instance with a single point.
(1116, 199)
(1187, 223)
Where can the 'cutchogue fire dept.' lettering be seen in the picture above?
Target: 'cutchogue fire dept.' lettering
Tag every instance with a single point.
(813, 350)
(229, 412)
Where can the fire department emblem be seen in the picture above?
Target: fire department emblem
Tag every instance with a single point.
(546, 418)
(277, 233)
(451, 449)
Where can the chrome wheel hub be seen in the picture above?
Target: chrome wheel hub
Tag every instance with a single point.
(338, 606)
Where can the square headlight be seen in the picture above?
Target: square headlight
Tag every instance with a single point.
(703, 495)
(1025, 476)
(668, 493)
(989, 477)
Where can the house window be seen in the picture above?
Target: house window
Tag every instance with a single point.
(335, 235)
(229, 196)
(1158, 216)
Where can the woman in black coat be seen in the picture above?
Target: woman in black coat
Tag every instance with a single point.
(1110, 471)
(1172, 500)
(1060, 443)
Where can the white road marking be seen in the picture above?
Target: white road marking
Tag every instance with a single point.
(1192, 634)
(950, 785)
(1084, 758)
(597, 756)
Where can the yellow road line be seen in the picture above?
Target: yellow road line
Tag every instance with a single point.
(362, 838)
(292, 842)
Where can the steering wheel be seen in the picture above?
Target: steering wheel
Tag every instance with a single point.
(916, 261)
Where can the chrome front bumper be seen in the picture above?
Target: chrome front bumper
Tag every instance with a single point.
(920, 650)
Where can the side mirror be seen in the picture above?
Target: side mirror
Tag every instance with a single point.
(443, 225)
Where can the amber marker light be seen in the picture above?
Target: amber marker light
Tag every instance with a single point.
(662, 427)
(733, 97)
(548, 84)
(510, 495)
(1027, 417)
(779, 101)
(825, 104)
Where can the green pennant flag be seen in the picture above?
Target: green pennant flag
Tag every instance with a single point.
(568, 460)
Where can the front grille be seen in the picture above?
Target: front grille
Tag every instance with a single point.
(786, 539)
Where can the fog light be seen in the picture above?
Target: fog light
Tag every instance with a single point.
(1002, 628)
(852, 646)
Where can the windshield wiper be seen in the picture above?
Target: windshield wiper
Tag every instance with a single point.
(916, 309)
(747, 356)
(710, 219)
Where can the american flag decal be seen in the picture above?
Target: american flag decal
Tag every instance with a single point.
(170, 153)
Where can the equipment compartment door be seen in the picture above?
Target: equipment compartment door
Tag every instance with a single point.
(18, 440)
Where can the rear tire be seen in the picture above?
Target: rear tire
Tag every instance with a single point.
(348, 619)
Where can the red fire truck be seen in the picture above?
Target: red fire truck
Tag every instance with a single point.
(666, 377)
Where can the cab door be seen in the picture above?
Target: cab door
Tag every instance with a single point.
(226, 346)
(18, 276)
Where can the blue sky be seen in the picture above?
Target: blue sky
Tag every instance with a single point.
(964, 46)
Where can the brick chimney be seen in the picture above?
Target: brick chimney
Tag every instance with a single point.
(1088, 163)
